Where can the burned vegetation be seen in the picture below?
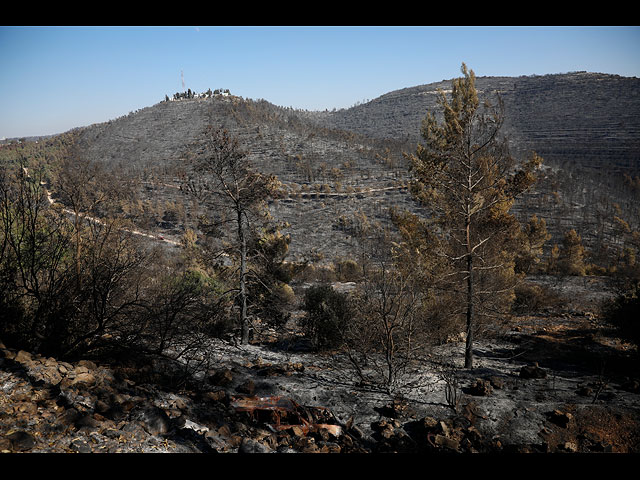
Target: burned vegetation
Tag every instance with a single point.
(257, 279)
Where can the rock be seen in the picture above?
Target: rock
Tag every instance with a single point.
(79, 445)
(295, 431)
(101, 407)
(223, 431)
(86, 420)
(216, 443)
(52, 375)
(27, 408)
(153, 419)
(5, 445)
(23, 357)
(387, 432)
(385, 428)
(532, 371)
(449, 443)
(397, 408)
(21, 441)
(249, 445)
(460, 422)
(306, 445)
(570, 447)
(87, 364)
(216, 395)
(330, 447)
(195, 427)
(84, 377)
(111, 433)
(429, 423)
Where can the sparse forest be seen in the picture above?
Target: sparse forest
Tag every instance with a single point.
(439, 271)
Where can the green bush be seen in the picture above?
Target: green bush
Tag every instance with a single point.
(327, 312)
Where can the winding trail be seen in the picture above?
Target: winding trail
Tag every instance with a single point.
(158, 238)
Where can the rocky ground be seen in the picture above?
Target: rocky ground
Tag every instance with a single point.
(557, 381)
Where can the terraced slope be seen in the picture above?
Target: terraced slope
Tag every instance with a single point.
(591, 119)
(340, 165)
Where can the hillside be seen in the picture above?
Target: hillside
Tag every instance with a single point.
(588, 118)
(347, 163)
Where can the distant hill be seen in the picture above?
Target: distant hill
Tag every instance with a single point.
(591, 119)
(344, 164)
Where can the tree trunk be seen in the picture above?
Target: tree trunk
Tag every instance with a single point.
(468, 353)
(76, 224)
(244, 323)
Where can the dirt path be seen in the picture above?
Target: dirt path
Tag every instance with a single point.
(158, 238)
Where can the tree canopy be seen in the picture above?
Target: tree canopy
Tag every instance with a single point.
(466, 176)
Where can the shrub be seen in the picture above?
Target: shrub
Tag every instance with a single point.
(533, 298)
(347, 270)
(327, 312)
(623, 312)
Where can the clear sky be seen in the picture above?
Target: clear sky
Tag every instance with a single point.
(57, 78)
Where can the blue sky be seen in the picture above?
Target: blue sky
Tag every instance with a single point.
(57, 78)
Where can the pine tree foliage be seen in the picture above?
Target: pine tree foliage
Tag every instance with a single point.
(535, 235)
(466, 176)
(572, 255)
